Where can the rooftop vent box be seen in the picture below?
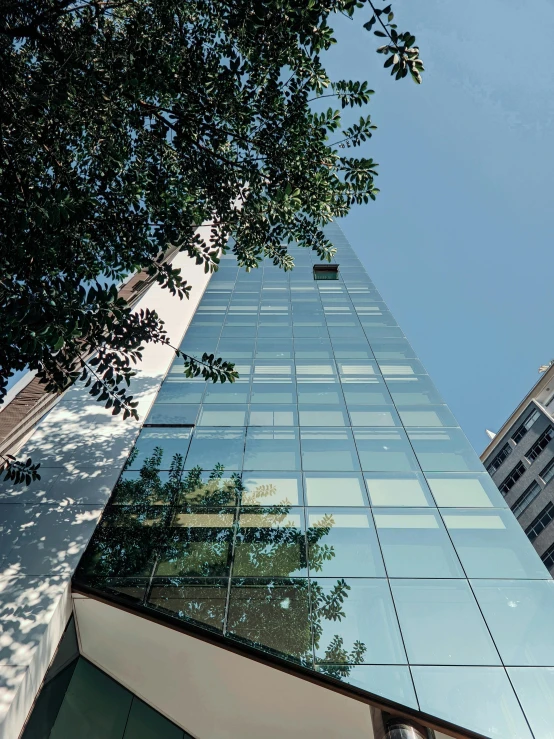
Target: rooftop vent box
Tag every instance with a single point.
(326, 271)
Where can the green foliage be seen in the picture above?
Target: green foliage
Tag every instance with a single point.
(152, 531)
(124, 126)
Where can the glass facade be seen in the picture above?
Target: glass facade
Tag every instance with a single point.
(326, 508)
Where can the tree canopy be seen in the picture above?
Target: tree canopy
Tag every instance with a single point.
(126, 124)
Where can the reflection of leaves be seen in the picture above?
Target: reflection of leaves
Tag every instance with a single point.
(186, 526)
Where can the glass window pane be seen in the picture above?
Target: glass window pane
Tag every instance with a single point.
(201, 601)
(520, 616)
(271, 488)
(491, 544)
(235, 392)
(273, 392)
(441, 623)
(437, 415)
(418, 390)
(208, 489)
(328, 449)
(444, 450)
(180, 391)
(366, 393)
(384, 450)
(223, 415)
(390, 681)
(211, 446)
(415, 544)
(324, 416)
(197, 545)
(364, 415)
(360, 612)
(274, 349)
(171, 441)
(464, 490)
(479, 698)
(339, 489)
(272, 449)
(535, 689)
(271, 415)
(320, 393)
(397, 489)
(270, 542)
(343, 543)
(273, 615)
(169, 414)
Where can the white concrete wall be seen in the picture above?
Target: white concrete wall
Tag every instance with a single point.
(45, 527)
(211, 692)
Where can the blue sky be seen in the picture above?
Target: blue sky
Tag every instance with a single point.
(459, 241)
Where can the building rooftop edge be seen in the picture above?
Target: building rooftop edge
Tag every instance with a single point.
(543, 380)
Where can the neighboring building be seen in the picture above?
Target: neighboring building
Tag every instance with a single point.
(314, 551)
(520, 459)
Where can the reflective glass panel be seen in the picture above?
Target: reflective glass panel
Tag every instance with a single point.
(271, 488)
(273, 392)
(273, 615)
(320, 393)
(415, 544)
(270, 542)
(328, 449)
(441, 623)
(322, 416)
(223, 415)
(431, 416)
(216, 446)
(444, 449)
(272, 449)
(170, 441)
(535, 689)
(354, 622)
(397, 489)
(417, 390)
(467, 490)
(363, 415)
(334, 489)
(172, 414)
(271, 415)
(342, 543)
(520, 615)
(384, 450)
(479, 698)
(366, 393)
(491, 544)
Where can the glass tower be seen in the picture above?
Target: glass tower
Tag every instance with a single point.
(327, 510)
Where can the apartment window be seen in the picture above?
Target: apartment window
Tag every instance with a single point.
(548, 472)
(526, 499)
(540, 444)
(512, 478)
(521, 430)
(326, 271)
(503, 454)
(548, 557)
(540, 522)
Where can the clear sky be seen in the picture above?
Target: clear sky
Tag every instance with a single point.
(460, 240)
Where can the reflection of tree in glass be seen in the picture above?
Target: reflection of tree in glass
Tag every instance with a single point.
(183, 529)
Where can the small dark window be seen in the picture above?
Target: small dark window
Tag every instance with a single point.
(500, 457)
(512, 478)
(520, 432)
(540, 444)
(548, 472)
(326, 271)
(540, 522)
(548, 556)
(526, 499)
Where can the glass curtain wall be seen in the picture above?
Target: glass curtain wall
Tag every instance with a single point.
(327, 508)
